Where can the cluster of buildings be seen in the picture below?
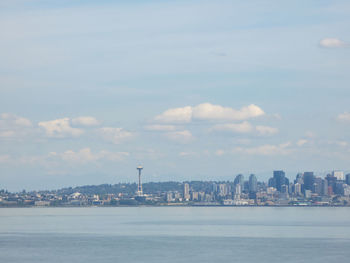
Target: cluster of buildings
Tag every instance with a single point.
(305, 190)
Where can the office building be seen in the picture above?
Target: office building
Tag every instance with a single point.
(253, 184)
(308, 181)
(339, 175)
(187, 192)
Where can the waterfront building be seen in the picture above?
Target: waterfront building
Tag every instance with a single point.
(177, 196)
(169, 197)
(187, 192)
(307, 194)
(271, 190)
(223, 190)
(238, 192)
(195, 196)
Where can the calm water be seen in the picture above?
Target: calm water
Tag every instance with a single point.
(175, 234)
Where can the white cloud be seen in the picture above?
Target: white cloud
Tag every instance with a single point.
(333, 43)
(186, 154)
(60, 128)
(244, 127)
(5, 158)
(115, 135)
(341, 143)
(219, 152)
(85, 155)
(267, 149)
(266, 130)
(23, 122)
(160, 127)
(180, 136)
(310, 134)
(7, 134)
(85, 121)
(207, 111)
(113, 156)
(344, 117)
(182, 115)
(243, 141)
(12, 126)
(301, 142)
(32, 160)
(14, 120)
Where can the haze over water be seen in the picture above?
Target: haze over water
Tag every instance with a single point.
(174, 234)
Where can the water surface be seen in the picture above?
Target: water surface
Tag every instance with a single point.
(175, 234)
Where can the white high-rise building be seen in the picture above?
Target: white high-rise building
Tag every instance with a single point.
(223, 189)
(238, 192)
(339, 175)
(297, 189)
(187, 192)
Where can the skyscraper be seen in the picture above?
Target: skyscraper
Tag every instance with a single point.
(318, 185)
(239, 180)
(272, 182)
(253, 184)
(187, 191)
(308, 180)
(325, 187)
(279, 178)
(347, 180)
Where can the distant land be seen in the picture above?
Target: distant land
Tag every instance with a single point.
(306, 190)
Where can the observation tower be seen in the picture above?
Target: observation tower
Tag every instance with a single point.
(139, 187)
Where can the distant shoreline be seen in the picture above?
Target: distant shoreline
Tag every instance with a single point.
(202, 206)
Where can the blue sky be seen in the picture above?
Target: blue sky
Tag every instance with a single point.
(190, 89)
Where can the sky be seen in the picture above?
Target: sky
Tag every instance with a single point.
(191, 90)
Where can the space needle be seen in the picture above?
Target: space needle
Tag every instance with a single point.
(139, 187)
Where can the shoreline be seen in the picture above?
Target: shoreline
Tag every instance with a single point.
(202, 206)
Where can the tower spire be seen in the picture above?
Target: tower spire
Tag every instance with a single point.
(139, 187)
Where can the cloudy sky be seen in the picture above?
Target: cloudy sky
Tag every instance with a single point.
(189, 89)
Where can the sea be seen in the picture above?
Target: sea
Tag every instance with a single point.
(175, 234)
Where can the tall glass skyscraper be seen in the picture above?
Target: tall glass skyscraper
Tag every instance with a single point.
(309, 180)
(253, 184)
(279, 178)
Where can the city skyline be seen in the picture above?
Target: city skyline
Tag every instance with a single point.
(195, 90)
(305, 190)
(238, 178)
